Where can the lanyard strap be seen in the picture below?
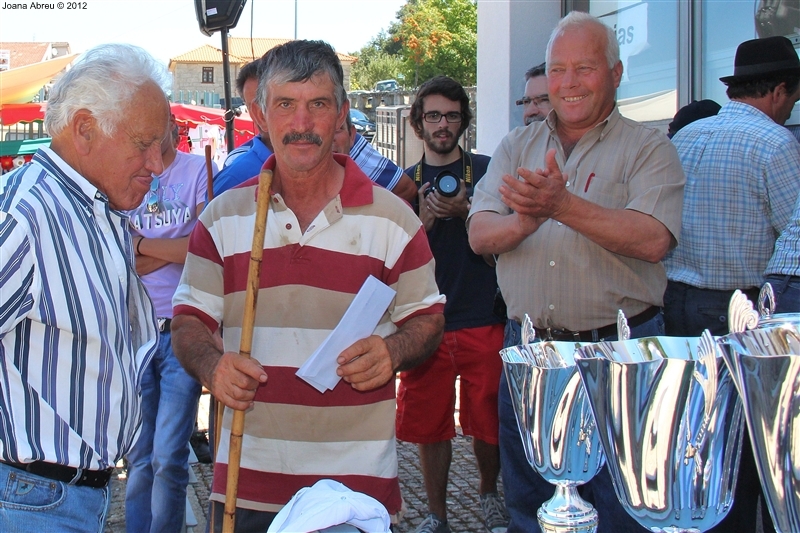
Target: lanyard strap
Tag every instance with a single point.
(466, 169)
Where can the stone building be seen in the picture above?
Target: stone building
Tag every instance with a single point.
(199, 71)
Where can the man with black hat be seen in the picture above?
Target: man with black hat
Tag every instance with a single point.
(741, 184)
(691, 112)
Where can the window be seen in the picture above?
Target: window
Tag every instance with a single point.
(646, 32)
(208, 74)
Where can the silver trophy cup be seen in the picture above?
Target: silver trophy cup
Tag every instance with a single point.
(670, 423)
(557, 429)
(765, 365)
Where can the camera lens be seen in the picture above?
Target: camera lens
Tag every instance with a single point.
(447, 184)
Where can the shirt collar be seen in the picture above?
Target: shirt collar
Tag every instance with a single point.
(356, 188)
(62, 171)
(610, 121)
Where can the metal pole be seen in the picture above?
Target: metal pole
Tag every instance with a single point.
(295, 20)
(226, 76)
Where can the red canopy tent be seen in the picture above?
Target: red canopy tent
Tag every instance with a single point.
(193, 115)
(13, 113)
(185, 115)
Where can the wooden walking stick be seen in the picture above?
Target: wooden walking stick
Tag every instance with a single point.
(209, 174)
(245, 344)
(217, 408)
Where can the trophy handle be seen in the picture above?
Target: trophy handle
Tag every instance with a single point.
(707, 358)
(623, 331)
(741, 315)
(528, 331)
(766, 301)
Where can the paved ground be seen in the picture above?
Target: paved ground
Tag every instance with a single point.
(462, 497)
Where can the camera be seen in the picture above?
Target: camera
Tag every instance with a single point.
(446, 183)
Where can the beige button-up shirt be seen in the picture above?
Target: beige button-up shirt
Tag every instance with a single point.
(556, 275)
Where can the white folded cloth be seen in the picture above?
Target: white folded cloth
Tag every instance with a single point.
(328, 504)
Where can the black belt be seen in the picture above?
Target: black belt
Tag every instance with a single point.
(592, 335)
(97, 479)
(164, 325)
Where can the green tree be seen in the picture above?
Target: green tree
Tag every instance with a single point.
(377, 60)
(381, 67)
(439, 37)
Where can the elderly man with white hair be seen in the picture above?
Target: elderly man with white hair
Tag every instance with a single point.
(580, 209)
(76, 325)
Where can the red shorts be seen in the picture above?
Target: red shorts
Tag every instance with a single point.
(426, 396)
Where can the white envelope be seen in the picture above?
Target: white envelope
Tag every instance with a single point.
(358, 322)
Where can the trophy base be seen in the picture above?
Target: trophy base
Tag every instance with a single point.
(567, 512)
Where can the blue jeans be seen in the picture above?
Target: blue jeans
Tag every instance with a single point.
(33, 503)
(787, 293)
(688, 311)
(158, 463)
(525, 490)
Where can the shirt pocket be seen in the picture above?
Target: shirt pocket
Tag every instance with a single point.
(605, 193)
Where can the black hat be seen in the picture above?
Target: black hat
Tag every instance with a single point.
(691, 112)
(763, 58)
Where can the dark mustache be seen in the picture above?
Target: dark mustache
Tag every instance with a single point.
(304, 137)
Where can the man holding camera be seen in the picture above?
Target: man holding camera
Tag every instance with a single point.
(473, 335)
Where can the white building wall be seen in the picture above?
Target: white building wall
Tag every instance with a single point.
(512, 37)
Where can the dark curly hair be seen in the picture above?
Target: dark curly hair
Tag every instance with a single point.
(450, 89)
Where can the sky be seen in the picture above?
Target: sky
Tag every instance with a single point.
(168, 28)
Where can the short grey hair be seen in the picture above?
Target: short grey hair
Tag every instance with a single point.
(103, 81)
(579, 20)
(299, 61)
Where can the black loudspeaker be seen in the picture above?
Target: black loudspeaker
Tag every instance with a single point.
(213, 15)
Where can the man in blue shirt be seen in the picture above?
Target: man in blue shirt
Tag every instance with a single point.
(246, 160)
(741, 184)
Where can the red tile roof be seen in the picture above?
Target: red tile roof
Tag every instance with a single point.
(22, 54)
(241, 50)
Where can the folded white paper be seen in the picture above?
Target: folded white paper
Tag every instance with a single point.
(358, 322)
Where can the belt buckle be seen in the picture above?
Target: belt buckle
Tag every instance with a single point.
(562, 334)
(161, 322)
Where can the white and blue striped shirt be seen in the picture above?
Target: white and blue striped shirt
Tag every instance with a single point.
(76, 325)
(379, 169)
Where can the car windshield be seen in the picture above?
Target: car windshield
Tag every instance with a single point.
(358, 115)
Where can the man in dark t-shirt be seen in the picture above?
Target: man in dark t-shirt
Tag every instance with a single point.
(473, 331)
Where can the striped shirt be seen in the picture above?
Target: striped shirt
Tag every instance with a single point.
(742, 177)
(295, 435)
(379, 169)
(76, 325)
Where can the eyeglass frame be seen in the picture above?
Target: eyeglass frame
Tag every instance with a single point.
(537, 101)
(447, 116)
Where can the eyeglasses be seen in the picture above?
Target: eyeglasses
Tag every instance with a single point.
(152, 196)
(538, 101)
(434, 117)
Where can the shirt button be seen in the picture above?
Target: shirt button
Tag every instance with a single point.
(552, 263)
(560, 224)
(551, 307)
(567, 184)
(289, 226)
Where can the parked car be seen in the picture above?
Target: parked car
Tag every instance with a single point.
(362, 123)
(386, 86)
